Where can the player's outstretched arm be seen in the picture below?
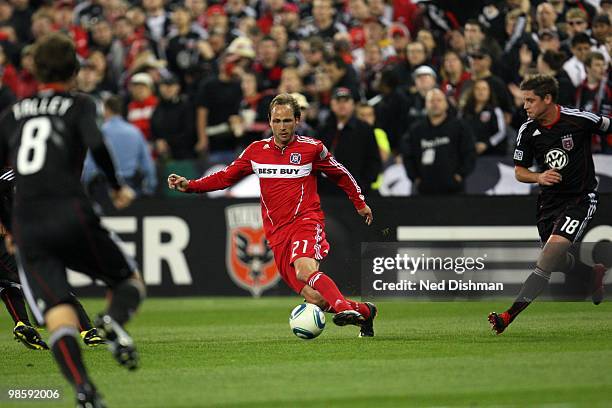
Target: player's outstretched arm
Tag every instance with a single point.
(176, 182)
(547, 178)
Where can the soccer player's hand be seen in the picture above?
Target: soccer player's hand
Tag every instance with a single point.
(9, 244)
(176, 182)
(122, 197)
(549, 177)
(367, 213)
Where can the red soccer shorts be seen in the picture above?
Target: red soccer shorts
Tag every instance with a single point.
(303, 238)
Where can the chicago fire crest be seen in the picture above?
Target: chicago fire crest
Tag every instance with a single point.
(249, 260)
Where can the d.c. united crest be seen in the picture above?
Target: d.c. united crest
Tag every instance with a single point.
(248, 258)
(567, 142)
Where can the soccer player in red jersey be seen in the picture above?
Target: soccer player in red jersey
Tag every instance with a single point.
(286, 165)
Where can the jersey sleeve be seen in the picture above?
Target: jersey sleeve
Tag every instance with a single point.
(523, 152)
(236, 171)
(602, 125)
(93, 139)
(336, 172)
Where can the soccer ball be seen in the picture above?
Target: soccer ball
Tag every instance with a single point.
(307, 321)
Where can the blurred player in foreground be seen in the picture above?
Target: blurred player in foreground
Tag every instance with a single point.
(294, 223)
(45, 138)
(559, 139)
(10, 289)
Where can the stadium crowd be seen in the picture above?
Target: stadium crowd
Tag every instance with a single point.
(195, 77)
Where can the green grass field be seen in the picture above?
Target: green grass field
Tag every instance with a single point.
(202, 352)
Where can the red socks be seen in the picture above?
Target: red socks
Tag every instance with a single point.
(330, 292)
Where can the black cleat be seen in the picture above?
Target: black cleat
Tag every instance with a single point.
(88, 397)
(120, 344)
(348, 317)
(91, 337)
(367, 327)
(599, 272)
(499, 322)
(29, 336)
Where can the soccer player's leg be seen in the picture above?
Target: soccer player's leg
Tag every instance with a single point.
(126, 290)
(89, 334)
(308, 248)
(13, 299)
(48, 293)
(572, 224)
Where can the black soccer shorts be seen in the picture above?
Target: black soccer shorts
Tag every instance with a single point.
(567, 216)
(71, 237)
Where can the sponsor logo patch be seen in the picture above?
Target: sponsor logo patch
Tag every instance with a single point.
(556, 159)
(518, 154)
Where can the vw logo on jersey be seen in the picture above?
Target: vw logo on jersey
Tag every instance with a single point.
(295, 158)
(556, 159)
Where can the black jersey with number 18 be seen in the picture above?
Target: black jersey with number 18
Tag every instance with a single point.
(564, 146)
(44, 138)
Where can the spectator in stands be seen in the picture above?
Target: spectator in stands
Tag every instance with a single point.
(342, 75)
(303, 128)
(424, 81)
(482, 114)
(454, 77)
(577, 21)
(427, 39)
(290, 81)
(351, 141)
(322, 22)
(581, 46)
(551, 63)
(42, 23)
(217, 109)
(549, 40)
(131, 153)
(157, 24)
(438, 150)
(132, 43)
(546, 18)
(476, 40)
(366, 113)
(312, 51)
(519, 50)
(143, 103)
(391, 110)
(187, 46)
(87, 13)
(416, 55)
(26, 84)
(173, 123)
(268, 66)
(63, 20)
(595, 95)
(7, 97)
(480, 68)
(112, 49)
(601, 29)
(371, 70)
(254, 107)
(400, 37)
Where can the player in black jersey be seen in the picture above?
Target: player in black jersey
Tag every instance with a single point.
(559, 139)
(45, 138)
(10, 289)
